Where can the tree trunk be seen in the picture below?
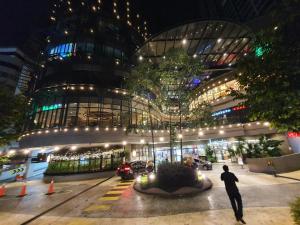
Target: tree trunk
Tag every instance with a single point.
(152, 135)
(180, 124)
(171, 147)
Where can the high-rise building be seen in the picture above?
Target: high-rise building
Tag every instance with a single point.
(17, 70)
(88, 53)
(80, 101)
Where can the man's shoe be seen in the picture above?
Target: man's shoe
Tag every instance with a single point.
(243, 221)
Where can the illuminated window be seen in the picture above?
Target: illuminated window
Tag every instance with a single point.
(63, 50)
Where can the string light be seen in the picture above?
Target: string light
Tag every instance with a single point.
(73, 148)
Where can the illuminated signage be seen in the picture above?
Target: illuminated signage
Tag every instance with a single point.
(63, 50)
(259, 51)
(229, 110)
(293, 134)
(237, 108)
(221, 112)
(51, 107)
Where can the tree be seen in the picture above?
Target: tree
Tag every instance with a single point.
(167, 84)
(13, 110)
(210, 154)
(143, 81)
(264, 148)
(269, 74)
(176, 73)
(240, 146)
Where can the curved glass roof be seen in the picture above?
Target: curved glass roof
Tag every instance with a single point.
(216, 43)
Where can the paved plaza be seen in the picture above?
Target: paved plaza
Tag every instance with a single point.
(266, 201)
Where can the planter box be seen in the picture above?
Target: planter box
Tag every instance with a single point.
(282, 164)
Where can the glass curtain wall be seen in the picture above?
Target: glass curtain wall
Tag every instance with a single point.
(79, 109)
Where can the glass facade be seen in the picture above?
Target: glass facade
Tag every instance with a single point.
(82, 105)
(63, 51)
(215, 93)
(215, 43)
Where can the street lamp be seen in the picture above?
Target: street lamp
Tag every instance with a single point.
(73, 148)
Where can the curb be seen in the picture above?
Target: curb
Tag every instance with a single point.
(206, 185)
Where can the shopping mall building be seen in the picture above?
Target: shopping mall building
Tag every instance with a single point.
(81, 101)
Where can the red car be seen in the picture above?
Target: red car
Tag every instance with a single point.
(125, 171)
(128, 171)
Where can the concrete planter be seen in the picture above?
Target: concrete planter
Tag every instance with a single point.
(282, 164)
(181, 192)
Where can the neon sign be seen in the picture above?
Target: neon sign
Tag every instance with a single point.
(63, 50)
(51, 107)
(237, 108)
(293, 134)
(229, 110)
(221, 112)
(259, 51)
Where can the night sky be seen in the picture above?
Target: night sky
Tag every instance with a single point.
(19, 18)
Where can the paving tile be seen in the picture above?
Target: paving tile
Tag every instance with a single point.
(103, 207)
(115, 198)
(120, 188)
(114, 192)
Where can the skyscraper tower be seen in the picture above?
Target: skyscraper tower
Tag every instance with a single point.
(91, 41)
(88, 53)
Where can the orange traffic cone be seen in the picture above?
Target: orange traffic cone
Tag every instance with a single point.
(2, 190)
(51, 188)
(23, 190)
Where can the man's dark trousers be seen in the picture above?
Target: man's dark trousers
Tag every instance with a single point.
(236, 203)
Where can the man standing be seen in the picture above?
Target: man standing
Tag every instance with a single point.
(233, 193)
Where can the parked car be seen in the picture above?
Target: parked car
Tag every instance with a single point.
(125, 171)
(203, 164)
(130, 170)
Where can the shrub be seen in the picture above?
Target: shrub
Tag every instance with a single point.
(170, 177)
(295, 211)
(210, 154)
(264, 148)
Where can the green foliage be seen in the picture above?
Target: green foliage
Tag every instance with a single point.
(240, 148)
(295, 211)
(3, 160)
(173, 73)
(88, 166)
(270, 83)
(170, 177)
(167, 84)
(231, 152)
(201, 116)
(264, 148)
(13, 109)
(210, 154)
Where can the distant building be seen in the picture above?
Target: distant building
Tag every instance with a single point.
(16, 70)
